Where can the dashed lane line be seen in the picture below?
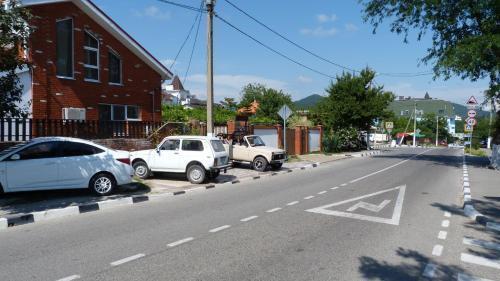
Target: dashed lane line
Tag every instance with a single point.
(322, 192)
(179, 242)
(292, 203)
(442, 235)
(217, 229)
(273, 210)
(308, 197)
(333, 188)
(127, 259)
(69, 278)
(249, 218)
(344, 184)
(447, 214)
(445, 223)
(437, 250)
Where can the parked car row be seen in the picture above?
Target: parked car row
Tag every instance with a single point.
(67, 163)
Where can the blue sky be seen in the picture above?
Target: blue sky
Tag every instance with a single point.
(333, 29)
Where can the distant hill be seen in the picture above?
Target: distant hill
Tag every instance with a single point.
(308, 102)
(461, 110)
(444, 108)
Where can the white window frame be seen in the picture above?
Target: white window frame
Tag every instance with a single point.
(72, 49)
(121, 68)
(87, 48)
(112, 106)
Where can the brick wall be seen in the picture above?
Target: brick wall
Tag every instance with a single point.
(51, 94)
(126, 144)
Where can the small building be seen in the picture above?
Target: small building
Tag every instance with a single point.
(174, 93)
(85, 66)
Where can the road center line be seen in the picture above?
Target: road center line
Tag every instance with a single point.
(128, 259)
(182, 241)
(333, 188)
(437, 250)
(217, 229)
(322, 192)
(387, 168)
(69, 278)
(442, 235)
(445, 223)
(249, 218)
(447, 214)
(344, 184)
(292, 203)
(273, 210)
(308, 197)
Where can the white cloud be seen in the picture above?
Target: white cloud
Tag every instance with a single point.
(319, 31)
(351, 27)
(154, 13)
(228, 85)
(326, 18)
(304, 79)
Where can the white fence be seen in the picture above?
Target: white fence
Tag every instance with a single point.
(495, 157)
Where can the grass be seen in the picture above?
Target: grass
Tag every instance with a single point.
(475, 152)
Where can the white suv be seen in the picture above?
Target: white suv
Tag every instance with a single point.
(199, 157)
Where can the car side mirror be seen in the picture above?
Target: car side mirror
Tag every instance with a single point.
(157, 150)
(15, 157)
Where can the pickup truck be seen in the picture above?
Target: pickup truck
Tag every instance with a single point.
(252, 149)
(199, 157)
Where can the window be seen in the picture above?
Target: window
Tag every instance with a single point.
(256, 141)
(170, 145)
(116, 112)
(132, 112)
(91, 62)
(217, 145)
(115, 68)
(42, 150)
(64, 48)
(79, 149)
(192, 145)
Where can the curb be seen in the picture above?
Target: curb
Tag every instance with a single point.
(364, 154)
(468, 205)
(33, 217)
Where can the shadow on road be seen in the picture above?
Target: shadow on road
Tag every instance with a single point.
(411, 268)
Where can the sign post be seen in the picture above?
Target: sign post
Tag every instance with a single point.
(389, 126)
(471, 121)
(284, 113)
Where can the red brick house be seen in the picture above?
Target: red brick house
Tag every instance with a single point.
(85, 66)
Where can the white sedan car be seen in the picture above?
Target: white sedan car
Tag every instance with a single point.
(63, 163)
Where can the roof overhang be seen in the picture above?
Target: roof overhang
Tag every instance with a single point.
(114, 29)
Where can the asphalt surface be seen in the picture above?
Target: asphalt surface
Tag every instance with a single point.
(374, 218)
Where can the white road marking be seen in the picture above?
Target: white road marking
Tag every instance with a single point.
(292, 203)
(492, 225)
(466, 183)
(178, 242)
(445, 223)
(480, 261)
(322, 192)
(466, 174)
(217, 229)
(273, 210)
(131, 258)
(369, 207)
(467, 190)
(442, 235)
(395, 216)
(249, 218)
(466, 178)
(390, 167)
(465, 277)
(344, 184)
(69, 278)
(447, 214)
(308, 197)
(429, 270)
(481, 243)
(437, 250)
(333, 188)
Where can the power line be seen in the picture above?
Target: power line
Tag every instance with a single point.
(194, 45)
(316, 55)
(271, 49)
(187, 38)
(183, 6)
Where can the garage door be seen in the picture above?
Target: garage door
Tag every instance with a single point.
(314, 140)
(269, 136)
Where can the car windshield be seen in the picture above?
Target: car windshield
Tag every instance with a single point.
(255, 141)
(12, 148)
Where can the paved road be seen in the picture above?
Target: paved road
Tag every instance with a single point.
(362, 219)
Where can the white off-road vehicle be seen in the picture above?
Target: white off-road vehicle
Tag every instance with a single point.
(252, 149)
(198, 157)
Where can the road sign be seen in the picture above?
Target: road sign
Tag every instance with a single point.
(471, 113)
(285, 112)
(362, 206)
(418, 131)
(471, 101)
(389, 125)
(468, 128)
(471, 122)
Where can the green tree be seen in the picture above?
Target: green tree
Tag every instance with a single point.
(270, 101)
(230, 104)
(14, 35)
(174, 113)
(427, 126)
(353, 101)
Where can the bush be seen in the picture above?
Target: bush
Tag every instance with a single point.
(342, 140)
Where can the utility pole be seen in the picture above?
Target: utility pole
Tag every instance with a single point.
(210, 67)
(437, 130)
(415, 126)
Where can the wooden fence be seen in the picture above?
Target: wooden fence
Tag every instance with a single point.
(16, 129)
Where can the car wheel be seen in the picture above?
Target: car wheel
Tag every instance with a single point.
(102, 184)
(141, 170)
(276, 166)
(196, 174)
(259, 164)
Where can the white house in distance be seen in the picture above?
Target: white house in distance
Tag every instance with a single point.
(174, 93)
